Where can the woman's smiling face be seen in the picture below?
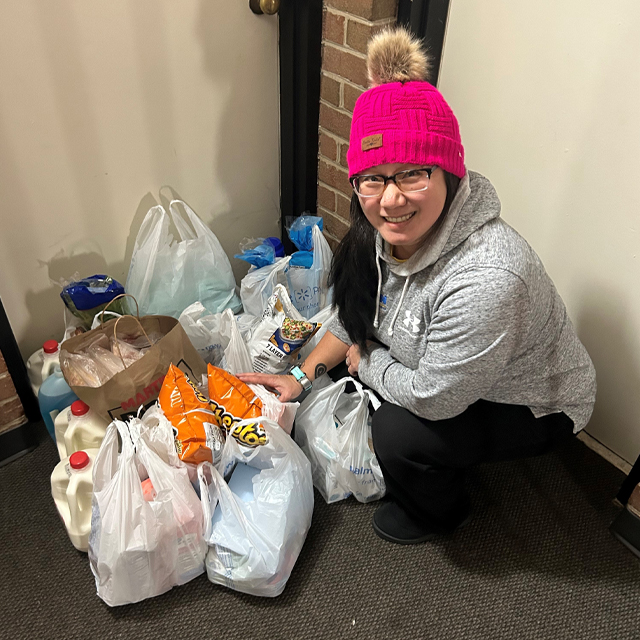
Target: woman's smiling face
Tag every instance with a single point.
(404, 219)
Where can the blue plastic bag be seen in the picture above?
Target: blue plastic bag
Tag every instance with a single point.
(258, 252)
(300, 231)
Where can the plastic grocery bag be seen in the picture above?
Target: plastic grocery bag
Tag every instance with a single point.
(257, 286)
(308, 288)
(238, 360)
(300, 230)
(167, 276)
(139, 548)
(203, 329)
(333, 430)
(210, 333)
(276, 341)
(255, 542)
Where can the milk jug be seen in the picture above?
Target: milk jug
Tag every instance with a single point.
(60, 426)
(72, 488)
(54, 395)
(85, 429)
(41, 364)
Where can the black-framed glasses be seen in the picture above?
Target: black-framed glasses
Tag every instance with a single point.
(408, 181)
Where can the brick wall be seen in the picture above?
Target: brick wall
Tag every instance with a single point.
(347, 27)
(11, 411)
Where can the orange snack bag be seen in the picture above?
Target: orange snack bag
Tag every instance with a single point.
(196, 429)
(232, 400)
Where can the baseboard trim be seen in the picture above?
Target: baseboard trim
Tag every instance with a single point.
(606, 453)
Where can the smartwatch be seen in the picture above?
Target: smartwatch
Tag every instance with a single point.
(301, 377)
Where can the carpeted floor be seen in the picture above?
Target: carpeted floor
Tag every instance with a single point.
(537, 562)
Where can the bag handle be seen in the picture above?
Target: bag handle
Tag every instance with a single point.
(200, 229)
(366, 394)
(186, 233)
(221, 492)
(207, 509)
(115, 336)
(122, 295)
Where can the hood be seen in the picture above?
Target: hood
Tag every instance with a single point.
(475, 203)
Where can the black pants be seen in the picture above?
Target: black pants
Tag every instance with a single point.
(425, 462)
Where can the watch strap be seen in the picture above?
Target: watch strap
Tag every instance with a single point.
(301, 377)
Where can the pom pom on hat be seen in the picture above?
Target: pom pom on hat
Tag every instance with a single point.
(394, 55)
(402, 118)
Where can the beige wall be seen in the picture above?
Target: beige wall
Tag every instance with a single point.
(547, 96)
(102, 103)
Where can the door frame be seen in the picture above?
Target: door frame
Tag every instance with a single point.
(300, 53)
(428, 20)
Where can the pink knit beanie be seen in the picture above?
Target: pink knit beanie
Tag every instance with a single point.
(402, 118)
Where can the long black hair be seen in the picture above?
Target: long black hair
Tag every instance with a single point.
(354, 275)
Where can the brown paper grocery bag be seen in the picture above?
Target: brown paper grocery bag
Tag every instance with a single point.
(139, 384)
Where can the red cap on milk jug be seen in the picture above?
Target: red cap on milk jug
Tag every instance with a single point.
(50, 346)
(79, 460)
(79, 408)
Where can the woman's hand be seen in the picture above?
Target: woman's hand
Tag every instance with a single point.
(353, 359)
(286, 387)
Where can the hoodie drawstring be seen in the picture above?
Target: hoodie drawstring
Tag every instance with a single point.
(399, 305)
(376, 319)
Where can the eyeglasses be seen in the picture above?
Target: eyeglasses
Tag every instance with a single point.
(409, 181)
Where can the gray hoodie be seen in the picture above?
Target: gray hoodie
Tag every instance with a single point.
(473, 315)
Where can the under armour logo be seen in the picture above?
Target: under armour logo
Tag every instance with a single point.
(410, 319)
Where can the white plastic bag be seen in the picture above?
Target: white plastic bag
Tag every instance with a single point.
(274, 347)
(333, 430)
(138, 548)
(203, 329)
(253, 545)
(308, 288)
(257, 286)
(237, 360)
(166, 276)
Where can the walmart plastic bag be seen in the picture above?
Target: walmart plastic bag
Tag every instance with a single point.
(167, 276)
(308, 287)
(255, 539)
(139, 548)
(257, 286)
(333, 430)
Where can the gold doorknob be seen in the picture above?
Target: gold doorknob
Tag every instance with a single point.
(264, 6)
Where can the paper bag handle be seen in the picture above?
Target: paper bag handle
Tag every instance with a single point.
(115, 336)
(122, 295)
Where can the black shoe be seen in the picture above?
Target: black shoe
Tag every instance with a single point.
(392, 523)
